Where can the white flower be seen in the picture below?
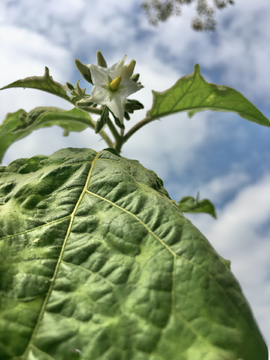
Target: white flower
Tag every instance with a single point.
(112, 86)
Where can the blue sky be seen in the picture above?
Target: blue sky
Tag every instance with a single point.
(220, 154)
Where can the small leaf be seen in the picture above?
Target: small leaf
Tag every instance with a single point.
(7, 137)
(190, 205)
(192, 93)
(97, 262)
(44, 83)
(20, 124)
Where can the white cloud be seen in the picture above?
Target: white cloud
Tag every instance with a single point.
(238, 49)
(26, 53)
(219, 187)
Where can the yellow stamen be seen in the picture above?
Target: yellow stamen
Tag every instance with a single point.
(114, 85)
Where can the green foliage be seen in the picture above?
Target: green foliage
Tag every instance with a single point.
(161, 10)
(192, 93)
(98, 263)
(190, 205)
(20, 124)
(44, 83)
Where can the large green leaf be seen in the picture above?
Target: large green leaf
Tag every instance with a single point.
(97, 262)
(192, 93)
(20, 124)
(44, 83)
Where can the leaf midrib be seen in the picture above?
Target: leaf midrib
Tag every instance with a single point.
(59, 260)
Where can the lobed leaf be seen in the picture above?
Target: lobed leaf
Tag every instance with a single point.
(44, 83)
(20, 124)
(189, 204)
(192, 93)
(97, 261)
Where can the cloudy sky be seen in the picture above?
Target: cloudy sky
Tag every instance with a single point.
(220, 154)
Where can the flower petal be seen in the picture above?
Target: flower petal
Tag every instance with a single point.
(117, 69)
(100, 95)
(99, 74)
(129, 87)
(117, 104)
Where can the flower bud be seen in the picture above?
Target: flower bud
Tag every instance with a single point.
(126, 115)
(79, 91)
(84, 70)
(70, 86)
(132, 105)
(100, 59)
(129, 68)
(135, 77)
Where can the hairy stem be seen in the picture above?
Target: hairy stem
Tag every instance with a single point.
(115, 133)
(90, 109)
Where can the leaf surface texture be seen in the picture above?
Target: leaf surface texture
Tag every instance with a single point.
(96, 258)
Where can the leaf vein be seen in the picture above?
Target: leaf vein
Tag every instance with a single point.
(60, 258)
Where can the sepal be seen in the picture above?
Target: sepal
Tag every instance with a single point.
(132, 105)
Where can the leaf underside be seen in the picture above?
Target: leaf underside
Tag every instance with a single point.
(97, 260)
(192, 93)
(189, 204)
(44, 83)
(20, 124)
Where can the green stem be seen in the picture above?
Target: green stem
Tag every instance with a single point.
(113, 131)
(90, 109)
(137, 127)
(119, 143)
(90, 123)
(106, 138)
